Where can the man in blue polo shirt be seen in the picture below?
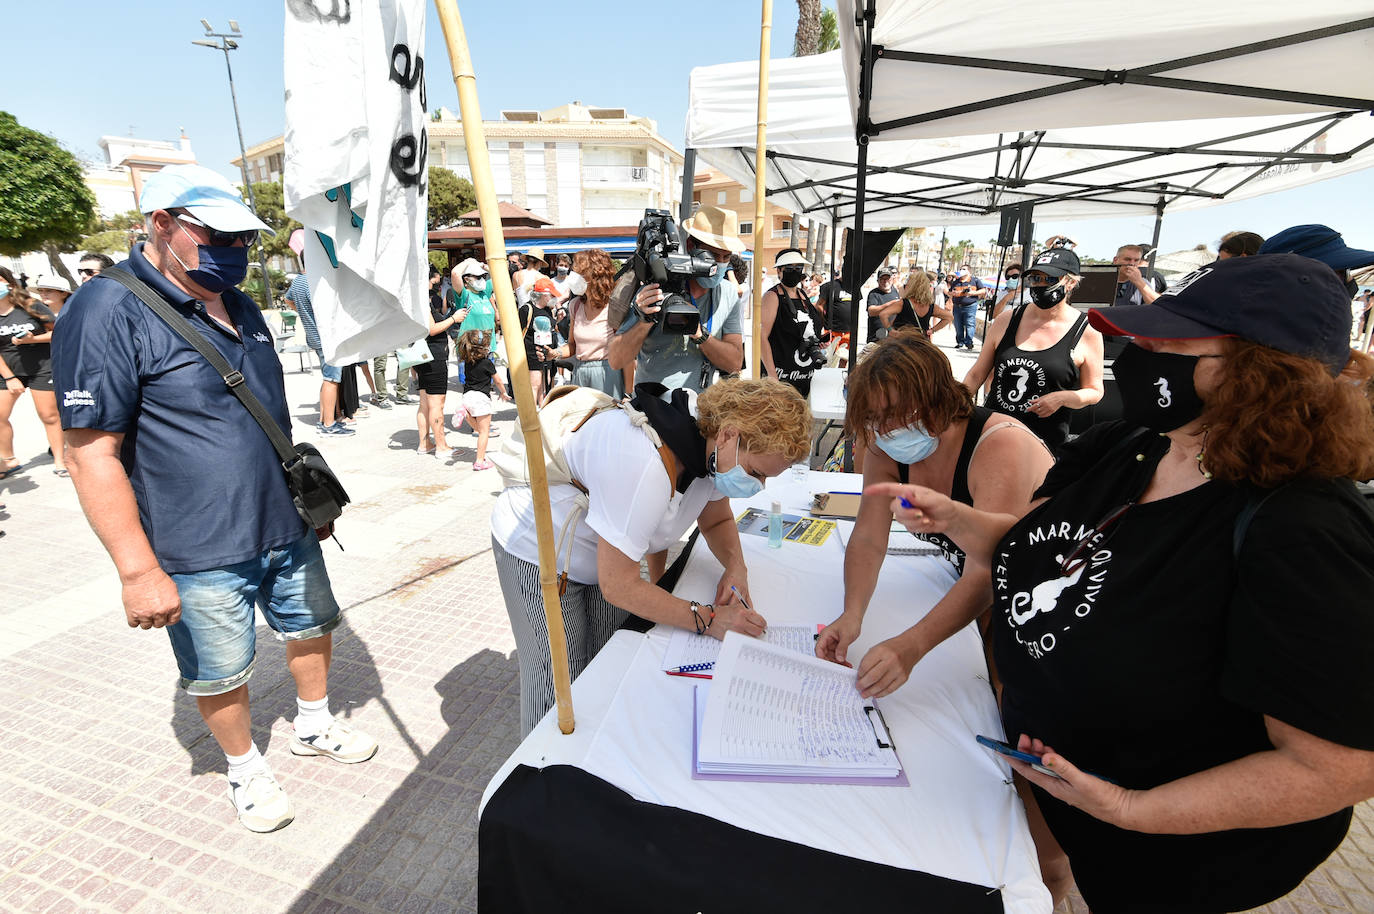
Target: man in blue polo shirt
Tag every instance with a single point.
(965, 292)
(183, 487)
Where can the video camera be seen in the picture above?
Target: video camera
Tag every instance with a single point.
(661, 257)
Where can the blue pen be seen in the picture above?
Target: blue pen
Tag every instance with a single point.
(906, 504)
(736, 592)
(693, 668)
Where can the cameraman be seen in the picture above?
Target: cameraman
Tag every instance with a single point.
(688, 361)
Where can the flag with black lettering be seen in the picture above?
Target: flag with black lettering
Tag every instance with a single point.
(356, 150)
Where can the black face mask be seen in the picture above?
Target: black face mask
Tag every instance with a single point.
(1157, 388)
(791, 277)
(1047, 296)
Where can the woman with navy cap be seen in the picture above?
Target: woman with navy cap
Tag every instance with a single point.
(1182, 621)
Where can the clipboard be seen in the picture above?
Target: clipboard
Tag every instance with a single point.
(836, 504)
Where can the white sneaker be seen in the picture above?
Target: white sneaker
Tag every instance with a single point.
(338, 741)
(261, 804)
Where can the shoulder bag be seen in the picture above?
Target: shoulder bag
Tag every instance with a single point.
(317, 493)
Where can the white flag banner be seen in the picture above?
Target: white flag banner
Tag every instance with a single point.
(356, 150)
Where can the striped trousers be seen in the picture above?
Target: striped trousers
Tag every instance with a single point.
(588, 623)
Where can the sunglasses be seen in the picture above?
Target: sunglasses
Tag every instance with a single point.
(222, 239)
(83, 272)
(1092, 540)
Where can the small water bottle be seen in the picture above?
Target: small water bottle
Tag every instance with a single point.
(775, 526)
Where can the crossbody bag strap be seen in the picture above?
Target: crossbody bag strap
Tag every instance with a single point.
(233, 379)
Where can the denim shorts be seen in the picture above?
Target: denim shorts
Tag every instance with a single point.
(331, 372)
(214, 641)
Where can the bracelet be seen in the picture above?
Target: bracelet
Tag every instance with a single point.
(702, 627)
(10, 378)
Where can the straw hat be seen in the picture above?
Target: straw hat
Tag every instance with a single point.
(716, 227)
(537, 254)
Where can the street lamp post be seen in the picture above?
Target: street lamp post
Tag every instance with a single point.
(227, 43)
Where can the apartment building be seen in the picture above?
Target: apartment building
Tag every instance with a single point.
(574, 165)
(118, 181)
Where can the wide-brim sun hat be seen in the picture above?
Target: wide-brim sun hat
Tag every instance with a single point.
(1286, 302)
(790, 257)
(716, 227)
(537, 254)
(56, 283)
(205, 194)
(471, 267)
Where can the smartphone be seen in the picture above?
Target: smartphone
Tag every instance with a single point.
(996, 745)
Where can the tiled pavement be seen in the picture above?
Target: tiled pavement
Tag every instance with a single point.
(112, 791)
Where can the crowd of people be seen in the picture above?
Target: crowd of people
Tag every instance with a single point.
(1194, 572)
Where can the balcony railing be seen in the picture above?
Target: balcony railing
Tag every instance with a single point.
(787, 233)
(615, 174)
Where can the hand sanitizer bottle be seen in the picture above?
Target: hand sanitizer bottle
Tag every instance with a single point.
(775, 526)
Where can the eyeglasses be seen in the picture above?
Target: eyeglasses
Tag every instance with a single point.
(1094, 538)
(84, 272)
(222, 239)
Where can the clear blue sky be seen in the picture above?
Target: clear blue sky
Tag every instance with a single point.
(131, 67)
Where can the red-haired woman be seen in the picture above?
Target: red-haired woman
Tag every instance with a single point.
(1184, 616)
(26, 364)
(590, 282)
(920, 426)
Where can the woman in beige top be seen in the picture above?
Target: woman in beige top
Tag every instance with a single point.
(590, 282)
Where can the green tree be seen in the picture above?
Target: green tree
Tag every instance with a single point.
(271, 200)
(111, 241)
(440, 260)
(830, 32)
(449, 197)
(44, 201)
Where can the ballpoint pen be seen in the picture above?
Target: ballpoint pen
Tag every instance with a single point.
(736, 592)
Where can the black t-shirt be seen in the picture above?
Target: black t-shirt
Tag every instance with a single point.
(839, 307)
(1161, 656)
(28, 359)
(477, 375)
(876, 298)
(438, 342)
(959, 490)
(540, 330)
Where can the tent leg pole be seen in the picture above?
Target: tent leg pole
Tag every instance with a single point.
(465, 79)
(754, 367)
(689, 168)
(1154, 239)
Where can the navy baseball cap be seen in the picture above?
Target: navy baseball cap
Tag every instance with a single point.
(1055, 262)
(1284, 301)
(1320, 242)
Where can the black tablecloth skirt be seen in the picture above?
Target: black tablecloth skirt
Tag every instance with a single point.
(560, 839)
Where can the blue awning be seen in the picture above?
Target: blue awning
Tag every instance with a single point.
(617, 244)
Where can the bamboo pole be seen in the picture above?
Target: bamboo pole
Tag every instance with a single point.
(474, 137)
(760, 189)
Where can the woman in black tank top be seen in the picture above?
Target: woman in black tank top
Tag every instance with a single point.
(1042, 360)
(793, 352)
(919, 425)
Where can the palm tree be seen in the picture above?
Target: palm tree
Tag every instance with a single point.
(830, 31)
(808, 36)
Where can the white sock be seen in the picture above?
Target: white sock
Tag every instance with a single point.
(241, 767)
(312, 716)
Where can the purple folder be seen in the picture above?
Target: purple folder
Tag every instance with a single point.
(819, 777)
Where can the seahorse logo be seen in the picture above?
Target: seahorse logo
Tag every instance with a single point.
(1043, 597)
(1021, 376)
(1166, 398)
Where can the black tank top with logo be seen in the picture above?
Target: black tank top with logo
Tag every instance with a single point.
(959, 489)
(790, 341)
(1020, 375)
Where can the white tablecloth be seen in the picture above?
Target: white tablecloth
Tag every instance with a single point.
(958, 819)
(827, 394)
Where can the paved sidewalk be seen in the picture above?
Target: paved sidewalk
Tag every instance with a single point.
(112, 791)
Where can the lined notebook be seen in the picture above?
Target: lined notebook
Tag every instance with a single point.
(687, 649)
(774, 714)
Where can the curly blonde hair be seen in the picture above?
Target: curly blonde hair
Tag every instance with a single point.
(770, 416)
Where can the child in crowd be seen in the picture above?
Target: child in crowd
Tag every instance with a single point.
(474, 348)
